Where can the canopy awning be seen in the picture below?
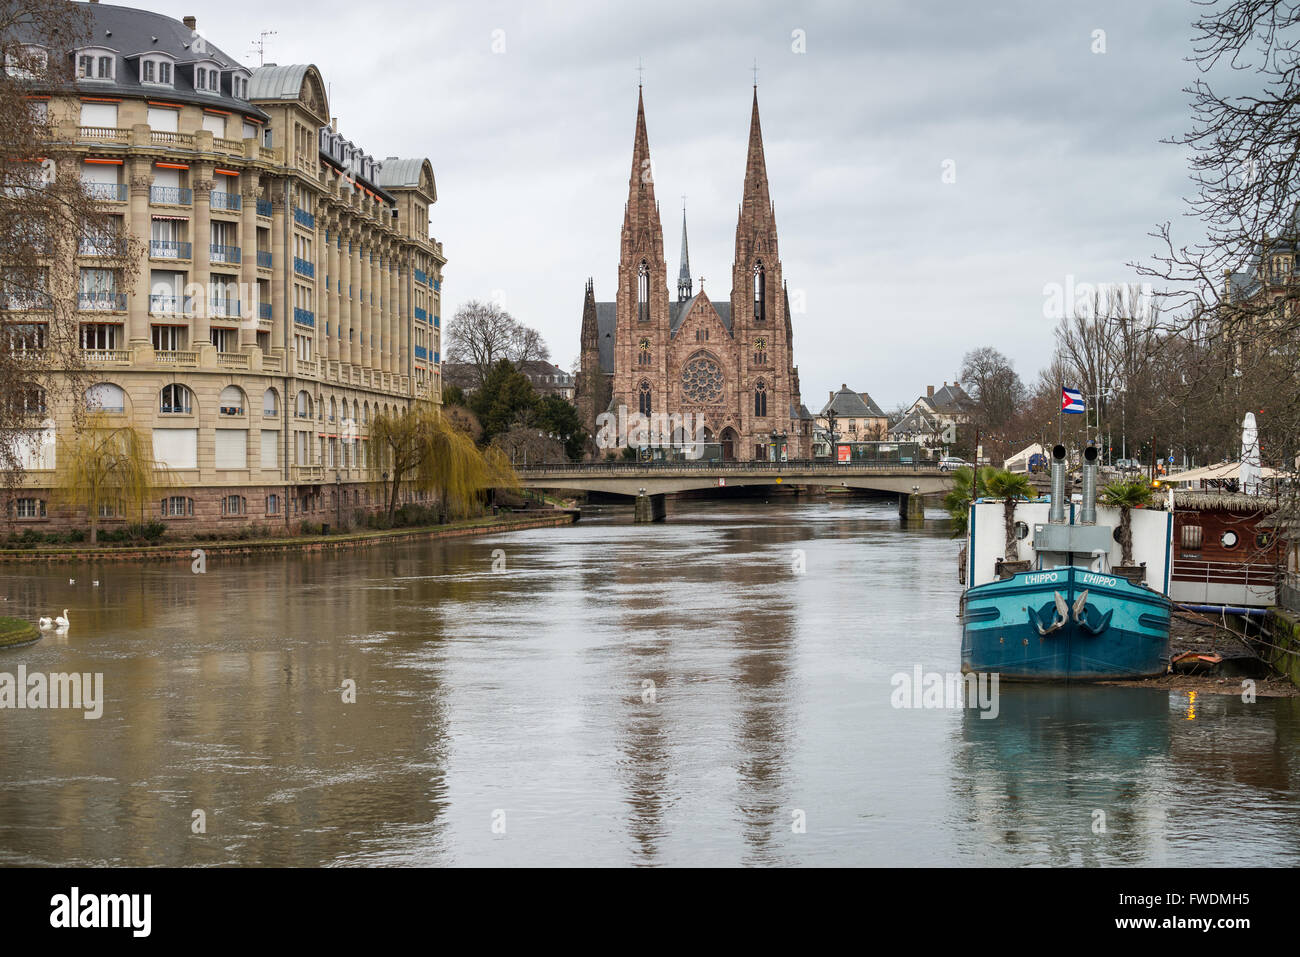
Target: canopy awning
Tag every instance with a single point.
(1222, 471)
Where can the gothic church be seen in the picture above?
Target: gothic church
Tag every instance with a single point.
(730, 362)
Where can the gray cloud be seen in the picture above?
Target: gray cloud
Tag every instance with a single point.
(1059, 166)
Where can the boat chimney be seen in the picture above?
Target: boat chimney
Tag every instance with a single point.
(1056, 514)
(1088, 513)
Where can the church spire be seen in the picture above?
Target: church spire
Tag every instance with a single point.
(684, 276)
(756, 200)
(641, 184)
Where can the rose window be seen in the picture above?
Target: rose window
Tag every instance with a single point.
(702, 379)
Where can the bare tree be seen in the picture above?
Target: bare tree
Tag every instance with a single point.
(995, 387)
(481, 334)
(47, 219)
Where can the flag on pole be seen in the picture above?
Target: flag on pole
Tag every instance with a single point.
(1071, 401)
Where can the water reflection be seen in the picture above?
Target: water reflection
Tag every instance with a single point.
(502, 716)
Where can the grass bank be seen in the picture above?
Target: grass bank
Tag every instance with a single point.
(183, 550)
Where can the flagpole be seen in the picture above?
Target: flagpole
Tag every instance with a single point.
(1060, 412)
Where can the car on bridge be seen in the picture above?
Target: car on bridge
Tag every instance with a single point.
(950, 462)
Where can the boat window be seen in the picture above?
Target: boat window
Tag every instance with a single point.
(1191, 536)
(1228, 539)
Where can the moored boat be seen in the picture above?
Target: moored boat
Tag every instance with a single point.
(1066, 608)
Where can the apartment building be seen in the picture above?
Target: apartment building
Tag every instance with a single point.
(290, 289)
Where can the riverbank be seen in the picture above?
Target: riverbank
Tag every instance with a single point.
(16, 632)
(185, 551)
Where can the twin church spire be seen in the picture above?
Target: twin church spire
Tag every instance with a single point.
(641, 226)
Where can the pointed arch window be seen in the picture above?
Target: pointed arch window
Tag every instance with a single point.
(643, 291)
(760, 400)
(643, 398)
(760, 292)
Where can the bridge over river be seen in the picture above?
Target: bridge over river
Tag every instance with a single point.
(650, 482)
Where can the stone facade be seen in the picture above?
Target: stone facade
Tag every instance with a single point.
(286, 283)
(730, 361)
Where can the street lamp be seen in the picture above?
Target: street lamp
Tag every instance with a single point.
(338, 500)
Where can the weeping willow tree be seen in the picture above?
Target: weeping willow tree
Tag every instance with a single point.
(425, 450)
(107, 469)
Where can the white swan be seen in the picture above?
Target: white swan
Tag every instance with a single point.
(61, 623)
(46, 624)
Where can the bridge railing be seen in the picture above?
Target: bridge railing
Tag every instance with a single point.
(688, 465)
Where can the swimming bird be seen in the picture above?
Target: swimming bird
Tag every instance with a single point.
(95, 583)
(46, 624)
(72, 581)
(61, 623)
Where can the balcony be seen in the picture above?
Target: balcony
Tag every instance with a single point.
(188, 359)
(106, 192)
(223, 145)
(304, 268)
(101, 301)
(177, 140)
(103, 134)
(304, 218)
(264, 208)
(223, 307)
(171, 195)
(263, 259)
(264, 311)
(309, 473)
(271, 363)
(94, 247)
(221, 200)
(121, 356)
(171, 305)
(233, 360)
(305, 367)
(218, 254)
(304, 317)
(169, 249)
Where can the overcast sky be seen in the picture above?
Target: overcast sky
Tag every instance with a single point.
(1059, 169)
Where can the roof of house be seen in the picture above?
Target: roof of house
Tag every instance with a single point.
(852, 405)
(916, 421)
(129, 32)
(951, 398)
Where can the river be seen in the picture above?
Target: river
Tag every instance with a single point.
(715, 690)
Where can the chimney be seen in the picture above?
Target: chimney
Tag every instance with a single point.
(830, 396)
(190, 22)
(334, 124)
(929, 392)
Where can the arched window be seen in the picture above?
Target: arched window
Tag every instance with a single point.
(760, 292)
(303, 409)
(176, 399)
(643, 398)
(365, 413)
(270, 402)
(643, 291)
(333, 410)
(760, 399)
(105, 397)
(232, 401)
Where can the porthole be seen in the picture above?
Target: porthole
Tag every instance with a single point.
(1022, 530)
(1228, 539)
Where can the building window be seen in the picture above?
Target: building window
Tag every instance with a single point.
(105, 397)
(167, 338)
(175, 399)
(760, 292)
(1191, 536)
(643, 398)
(760, 399)
(148, 71)
(273, 505)
(31, 508)
(233, 505)
(178, 506)
(643, 292)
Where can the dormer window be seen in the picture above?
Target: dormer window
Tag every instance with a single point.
(207, 79)
(239, 85)
(96, 64)
(26, 63)
(156, 71)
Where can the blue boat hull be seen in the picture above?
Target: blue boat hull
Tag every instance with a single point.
(1118, 630)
